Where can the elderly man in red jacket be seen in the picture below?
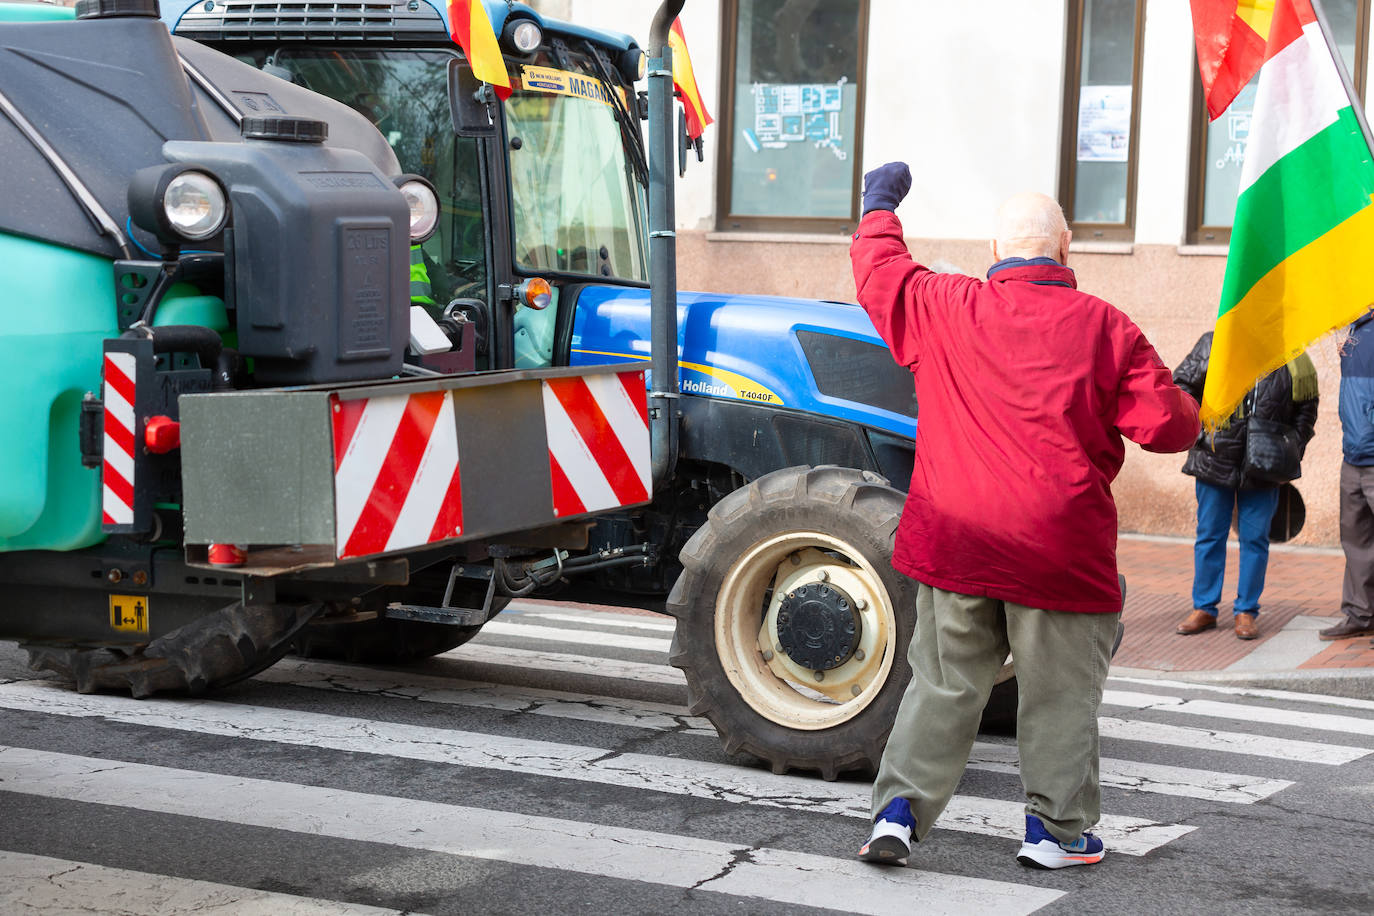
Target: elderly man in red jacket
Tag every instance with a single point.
(1026, 387)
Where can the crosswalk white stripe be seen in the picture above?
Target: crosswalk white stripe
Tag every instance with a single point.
(606, 619)
(1138, 776)
(999, 758)
(615, 852)
(1324, 699)
(450, 691)
(1207, 739)
(695, 778)
(563, 663)
(41, 884)
(1121, 729)
(576, 637)
(1246, 712)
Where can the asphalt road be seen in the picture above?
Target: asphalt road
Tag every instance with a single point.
(550, 767)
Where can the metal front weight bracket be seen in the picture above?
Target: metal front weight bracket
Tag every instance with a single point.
(447, 613)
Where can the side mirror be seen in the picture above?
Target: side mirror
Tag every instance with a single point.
(471, 101)
(684, 143)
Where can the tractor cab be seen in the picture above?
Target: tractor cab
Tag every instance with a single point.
(538, 196)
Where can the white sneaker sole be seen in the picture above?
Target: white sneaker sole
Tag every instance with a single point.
(1051, 855)
(888, 845)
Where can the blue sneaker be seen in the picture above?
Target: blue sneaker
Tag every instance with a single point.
(890, 842)
(1041, 850)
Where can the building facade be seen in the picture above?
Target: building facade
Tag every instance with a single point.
(1094, 101)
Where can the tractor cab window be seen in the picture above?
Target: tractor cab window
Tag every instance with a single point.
(405, 95)
(579, 203)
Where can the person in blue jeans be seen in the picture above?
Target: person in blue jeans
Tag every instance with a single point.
(1225, 484)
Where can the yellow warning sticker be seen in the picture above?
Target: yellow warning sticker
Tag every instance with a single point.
(564, 82)
(129, 612)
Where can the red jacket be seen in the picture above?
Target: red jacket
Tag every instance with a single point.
(1025, 387)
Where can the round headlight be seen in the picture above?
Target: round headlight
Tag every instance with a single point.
(632, 64)
(526, 36)
(194, 205)
(424, 208)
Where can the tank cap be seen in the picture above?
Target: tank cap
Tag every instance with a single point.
(117, 9)
(293, 130)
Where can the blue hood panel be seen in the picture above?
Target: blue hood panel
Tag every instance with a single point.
(732, 346)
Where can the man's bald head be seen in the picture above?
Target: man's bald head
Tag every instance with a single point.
(1031, 225)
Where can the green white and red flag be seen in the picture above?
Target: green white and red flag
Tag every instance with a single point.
(471, 29)
(1302, 245)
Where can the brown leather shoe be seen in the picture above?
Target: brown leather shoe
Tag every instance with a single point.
(1196, 623)
(1247, 626)
(1346, 629)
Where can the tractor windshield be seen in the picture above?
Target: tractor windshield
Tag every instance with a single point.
(405, 94)
(578, 203)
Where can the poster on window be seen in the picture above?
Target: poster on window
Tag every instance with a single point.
(798, 113)
(1104, 123)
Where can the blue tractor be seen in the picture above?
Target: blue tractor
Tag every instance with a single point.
(260, 467)
(785, 421)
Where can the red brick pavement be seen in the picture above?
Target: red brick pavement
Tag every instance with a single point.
(1159, 581)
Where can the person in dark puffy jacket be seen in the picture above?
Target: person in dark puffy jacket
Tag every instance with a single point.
(1224, 483)
(1357, 484)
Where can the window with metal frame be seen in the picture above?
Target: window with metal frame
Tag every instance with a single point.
(792, 116)
(1098, 161)
(1218, 147)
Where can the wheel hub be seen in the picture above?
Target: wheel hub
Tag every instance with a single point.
(818, 626)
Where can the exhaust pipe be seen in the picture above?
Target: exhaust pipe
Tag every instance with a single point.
(663, 386)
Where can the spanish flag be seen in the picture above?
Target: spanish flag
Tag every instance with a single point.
(1299, 262)
(472, 31)
(1231, 35)
(685, 81)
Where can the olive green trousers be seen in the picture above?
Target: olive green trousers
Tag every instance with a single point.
(960, 644)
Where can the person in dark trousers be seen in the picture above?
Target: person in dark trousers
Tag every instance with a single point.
(1225, 482)
(1357, 483)
(1026, 387)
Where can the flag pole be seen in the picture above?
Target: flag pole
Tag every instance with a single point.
(1349, 84)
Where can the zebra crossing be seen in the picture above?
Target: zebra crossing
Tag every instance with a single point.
(558, 742)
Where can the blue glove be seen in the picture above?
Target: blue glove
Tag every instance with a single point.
(885, 186)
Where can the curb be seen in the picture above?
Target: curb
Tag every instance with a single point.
(1355, 683)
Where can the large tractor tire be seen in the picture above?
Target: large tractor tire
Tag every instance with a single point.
(211, 652)
(792, 625)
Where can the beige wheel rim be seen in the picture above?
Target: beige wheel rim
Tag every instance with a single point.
(775, 686)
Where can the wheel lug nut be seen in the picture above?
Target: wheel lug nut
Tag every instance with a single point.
(855, 689)
(820, 675)
(861, 604)
(859, 654)
(768, 655)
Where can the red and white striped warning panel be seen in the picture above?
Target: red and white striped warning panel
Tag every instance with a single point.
(549, 449)
(396, 479)
(121, 426)
(598, 441)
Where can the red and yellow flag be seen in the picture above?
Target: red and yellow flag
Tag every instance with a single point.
(1231, 35)
(685, 80)
(472, 30)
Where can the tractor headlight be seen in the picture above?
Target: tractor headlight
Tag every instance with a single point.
(423, 203)
(194, 206)
(633, 65)
(524, 35)
(178, 203)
